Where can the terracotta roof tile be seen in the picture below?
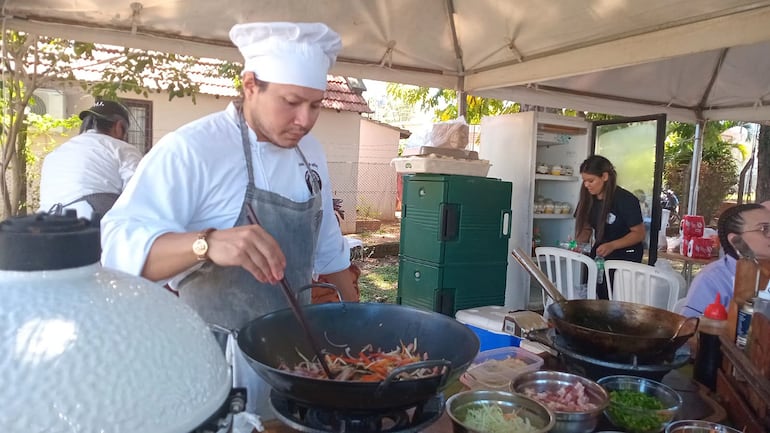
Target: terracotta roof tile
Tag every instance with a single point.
(339, 96)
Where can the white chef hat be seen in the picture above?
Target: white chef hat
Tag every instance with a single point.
(288, 53)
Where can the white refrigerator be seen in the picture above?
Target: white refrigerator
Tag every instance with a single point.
(518, 146)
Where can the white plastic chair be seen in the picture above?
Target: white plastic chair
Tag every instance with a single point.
(679, 304)
(665, 266)
(565, 269)
(642, 284)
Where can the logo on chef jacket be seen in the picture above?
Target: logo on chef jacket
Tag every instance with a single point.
(312, 177)
(611, 218)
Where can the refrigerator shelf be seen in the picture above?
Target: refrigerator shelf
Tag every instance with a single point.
(555, 177)
(552, 216)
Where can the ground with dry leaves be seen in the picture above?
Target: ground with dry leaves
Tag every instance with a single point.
(379, 266)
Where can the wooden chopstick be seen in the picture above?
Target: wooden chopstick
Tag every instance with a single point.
(252, 217)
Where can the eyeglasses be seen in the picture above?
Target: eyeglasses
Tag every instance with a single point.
(764, 228)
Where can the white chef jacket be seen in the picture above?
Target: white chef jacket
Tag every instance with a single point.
(88, 163)
(195, 178)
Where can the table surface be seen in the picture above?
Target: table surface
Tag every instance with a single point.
(443, 425)
(691, 260)
(689, 390)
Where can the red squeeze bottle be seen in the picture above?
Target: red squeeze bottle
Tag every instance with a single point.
(709, 355)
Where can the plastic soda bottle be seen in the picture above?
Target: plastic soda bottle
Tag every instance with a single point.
(536, 239)
(600, 269)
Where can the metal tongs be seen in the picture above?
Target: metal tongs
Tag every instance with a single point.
(252, 216)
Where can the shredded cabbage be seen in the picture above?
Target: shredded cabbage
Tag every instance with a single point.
(489, 418)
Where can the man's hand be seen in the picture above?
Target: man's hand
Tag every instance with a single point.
(251, 248)
(346, 281)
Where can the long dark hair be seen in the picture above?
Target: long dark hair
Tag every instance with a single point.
(731, 221)
(597, 166)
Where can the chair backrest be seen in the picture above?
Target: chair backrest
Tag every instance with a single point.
(640, 283)
(665, 266)
(566, 269)
(679, 305)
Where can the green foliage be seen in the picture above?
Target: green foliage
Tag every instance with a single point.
(718, 171)
(232, 71)
(141, 72)
(366, 211)
(35, 61)
(443, 103)
(45, 128)
(589, 116)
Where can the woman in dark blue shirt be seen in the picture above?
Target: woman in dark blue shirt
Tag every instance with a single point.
(610, 213)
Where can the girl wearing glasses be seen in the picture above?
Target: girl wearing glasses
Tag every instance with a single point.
(751, 221)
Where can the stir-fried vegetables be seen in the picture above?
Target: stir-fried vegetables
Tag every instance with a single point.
(368, 365)
(490, 418)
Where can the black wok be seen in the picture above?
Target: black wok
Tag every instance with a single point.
(612, 329)
(276, 337)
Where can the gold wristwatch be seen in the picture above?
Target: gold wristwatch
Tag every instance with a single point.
(201, 247)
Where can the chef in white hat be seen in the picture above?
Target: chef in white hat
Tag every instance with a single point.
(184, 216)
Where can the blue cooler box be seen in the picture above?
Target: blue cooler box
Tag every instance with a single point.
(487, 323)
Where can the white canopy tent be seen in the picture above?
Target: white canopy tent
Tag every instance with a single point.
(724, 84)
(693, 60)
(479, 46)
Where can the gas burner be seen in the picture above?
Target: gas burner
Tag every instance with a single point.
(306, 418)
(235, 403)
(594, 368)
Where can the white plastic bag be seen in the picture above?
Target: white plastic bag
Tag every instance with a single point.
(420, 137)
(452, 134)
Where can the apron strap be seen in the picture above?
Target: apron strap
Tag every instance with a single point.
(100, 203)
(245, 141)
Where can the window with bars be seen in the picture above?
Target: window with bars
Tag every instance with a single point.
(140, 131)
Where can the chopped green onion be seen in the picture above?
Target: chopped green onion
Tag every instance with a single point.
(626, 411)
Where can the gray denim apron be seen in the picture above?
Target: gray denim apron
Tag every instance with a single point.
(230, 296)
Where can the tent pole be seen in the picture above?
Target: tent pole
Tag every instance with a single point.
(462, 98)
(697, 156)
(462, 104)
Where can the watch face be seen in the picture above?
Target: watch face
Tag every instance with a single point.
(200, 246)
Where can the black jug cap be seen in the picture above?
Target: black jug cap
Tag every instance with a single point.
(48, 242)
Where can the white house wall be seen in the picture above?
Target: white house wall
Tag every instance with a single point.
(168, 116)
(339, 133)
(376, 177)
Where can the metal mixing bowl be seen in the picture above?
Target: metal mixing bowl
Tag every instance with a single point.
(552, 381)
(635, 419)
(697, 426)
(539, 416)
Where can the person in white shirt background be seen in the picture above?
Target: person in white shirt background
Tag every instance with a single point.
(184, 216)
(88, 172)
